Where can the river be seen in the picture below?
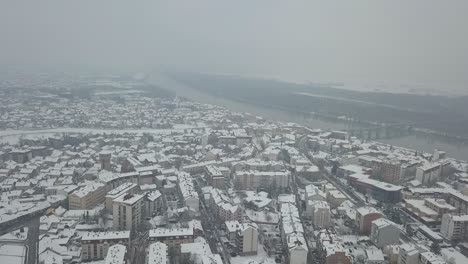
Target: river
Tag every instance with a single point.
(420, 142)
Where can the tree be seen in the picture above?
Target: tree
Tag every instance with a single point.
(410, 231)
(237, 185)
(172, 253)
(435, 248)
(268, 217)
(186, 259)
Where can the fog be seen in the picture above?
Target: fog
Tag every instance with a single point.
(397, 42)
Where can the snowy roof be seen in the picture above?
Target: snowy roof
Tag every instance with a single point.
(231, 226)
(153, 195)
(382, 222)
(157, 253)
(106, 235)
(381, 185)
(374, 254)
(88, 188)
(129, 199)
(451, 253)
(116, 254)
(169, 232)
(366, 210)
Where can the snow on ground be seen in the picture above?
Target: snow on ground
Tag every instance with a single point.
(15, 235)
(261, 258)
(12, 254)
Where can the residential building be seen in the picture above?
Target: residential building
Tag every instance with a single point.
(88, 196)
(157, 253)
(187, 191)
(364, 218)
(391, 171)
(454, 227)
(335, 198)
(320, 214)
(429, 210)
(431, 173)
(384, 232)
(335, 253)
(172, 237)
(127, 211)
(247, 238)
(298, 253)
(217, 176)
(122, 189)
(116, 254)
(261, 179)
(313, 193)
(430, 258)
(95, 245)
(153, 203)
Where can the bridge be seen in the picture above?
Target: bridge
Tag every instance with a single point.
(382, 131)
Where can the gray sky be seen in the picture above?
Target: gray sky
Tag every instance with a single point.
(357, 42)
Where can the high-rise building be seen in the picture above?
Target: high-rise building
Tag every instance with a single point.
(122, 189)
(127, 211)
(321, 214)
(247, 238)
(391, 171)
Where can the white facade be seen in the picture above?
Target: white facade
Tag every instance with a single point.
(320, 214)
(247, 239)
(453, 227)
(256, 179)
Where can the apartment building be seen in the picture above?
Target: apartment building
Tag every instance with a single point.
(127, 211)
(454, 227)
(158, 254)
(259, 179)
(88, 196)
(172, 237)
(364, 218)
(429, 210)
(116, 254)
(217, 176)
(95, 245)
(247, 238)
(391, 171)
(408, 254)
(320, 214)
(153, 203)
(384, 232)
(122, 189)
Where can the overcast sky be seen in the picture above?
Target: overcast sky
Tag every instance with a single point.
(360, 41)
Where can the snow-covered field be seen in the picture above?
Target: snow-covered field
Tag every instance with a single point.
(12, 254)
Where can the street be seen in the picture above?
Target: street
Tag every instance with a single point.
(137, 249)
(212, 235)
